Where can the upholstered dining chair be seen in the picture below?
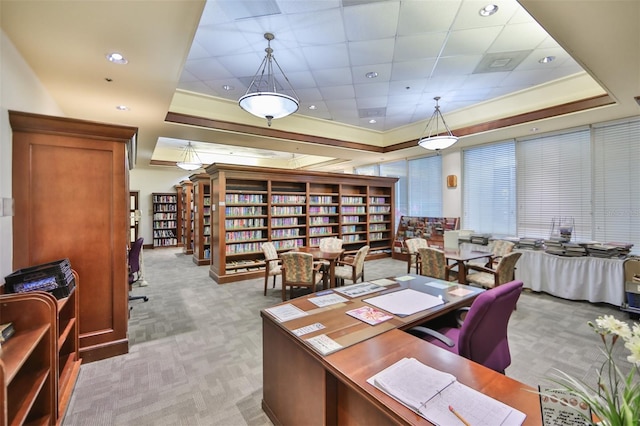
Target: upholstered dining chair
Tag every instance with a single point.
(298, 270)
(433, 263)
(413, 244)
(489, 278)
(272, 264)
(482, 335)
(352, 268)
(330, 245)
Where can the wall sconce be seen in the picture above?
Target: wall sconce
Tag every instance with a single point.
(452, 181)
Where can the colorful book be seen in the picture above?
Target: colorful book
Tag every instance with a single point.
(370, 315)
(6, 331)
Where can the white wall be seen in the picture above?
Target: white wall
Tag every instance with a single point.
(148, 181)
(20, 90)
(451, 197)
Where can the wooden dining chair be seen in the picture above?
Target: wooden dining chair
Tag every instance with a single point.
(272, 267)
(298, 270)
(352, 268)
(488, 278)
(413, 244)
(433, 263)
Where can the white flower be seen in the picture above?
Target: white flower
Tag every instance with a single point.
(633, 344)
(609, 325)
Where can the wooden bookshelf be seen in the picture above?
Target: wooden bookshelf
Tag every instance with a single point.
(185, 201)
(251, 205)
(165, 219)
(201, 219)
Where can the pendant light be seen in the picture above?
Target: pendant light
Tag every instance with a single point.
(432, 138)
(262, 98)
(190, 159)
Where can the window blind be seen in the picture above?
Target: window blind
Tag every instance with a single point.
(489, 189)
(425, 187)
(617, 183)
(397, 169)
(554, 181)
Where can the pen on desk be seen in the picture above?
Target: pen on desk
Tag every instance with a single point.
(466, 423)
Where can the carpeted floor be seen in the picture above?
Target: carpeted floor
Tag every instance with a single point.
(195, 354)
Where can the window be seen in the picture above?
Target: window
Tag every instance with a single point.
(397, 169)
(554, 181)
(489, 189)
(616, 186)
(425, 187)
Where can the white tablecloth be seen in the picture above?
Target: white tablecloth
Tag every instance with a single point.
(575, 278)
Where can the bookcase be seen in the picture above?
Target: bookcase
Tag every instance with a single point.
(165, 219)
(430, 228)
(185, 201)
(201, 219)
(293, 208)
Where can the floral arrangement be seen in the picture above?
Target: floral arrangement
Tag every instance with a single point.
(616, 399)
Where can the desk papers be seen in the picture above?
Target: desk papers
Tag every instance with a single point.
(383, 281)
(327, 300)
(405, 302)
(286, 312)
(324, 344)
(357, 290)
(369, 315)
(431, 392)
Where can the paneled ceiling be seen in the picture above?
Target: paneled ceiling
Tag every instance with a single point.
(183, 53)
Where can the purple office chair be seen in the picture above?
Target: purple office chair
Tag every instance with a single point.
(134, 266)
(482, 337)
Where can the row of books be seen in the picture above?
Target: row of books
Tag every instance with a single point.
(244, 198)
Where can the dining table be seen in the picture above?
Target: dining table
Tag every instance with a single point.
(459, 257)
(331, 257)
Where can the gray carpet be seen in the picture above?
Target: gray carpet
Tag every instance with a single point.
(196, 348)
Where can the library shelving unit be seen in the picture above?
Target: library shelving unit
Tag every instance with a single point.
(293, 208)
(201, 219)
(165, 219)
(430, 228)
(28, 359)
(185, 200)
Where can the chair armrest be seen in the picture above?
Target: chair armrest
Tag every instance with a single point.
(430, 332)
(461, 314)
(344, 263)
(317, 266)
(481, 268)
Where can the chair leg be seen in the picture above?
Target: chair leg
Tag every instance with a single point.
(266, 281)
(274, 281)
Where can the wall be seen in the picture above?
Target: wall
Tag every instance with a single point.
(147, 181)
(20, 90)
(452, 197)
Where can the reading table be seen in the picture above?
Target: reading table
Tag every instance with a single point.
(310, 383)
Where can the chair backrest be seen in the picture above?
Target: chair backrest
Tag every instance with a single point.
(297, 267)
(506, 267)
(413, 244)
(330, 244)
(433, 263)
(134, 259)
(270, 254)
(358, 261)
(483, 335)
(502, 247)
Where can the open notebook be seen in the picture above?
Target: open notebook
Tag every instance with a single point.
(431, 393)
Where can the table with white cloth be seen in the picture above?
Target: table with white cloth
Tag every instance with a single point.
(576, 278)
(589, 278)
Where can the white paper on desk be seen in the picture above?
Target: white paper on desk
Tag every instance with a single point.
(324, 344)
(383, 281)
(405, 302)
(405, 278)
(362, 289)
(286, 312)
(327, 300)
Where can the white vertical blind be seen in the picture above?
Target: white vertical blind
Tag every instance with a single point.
(397, 169)
(489, 189)
(617, 183)
(554, 181)
(425, 187)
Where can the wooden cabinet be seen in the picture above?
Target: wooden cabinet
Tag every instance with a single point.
(71, 190)
(68, 353)
(165, 219)
(28, 359)
(251, 205)
(201, 219)
(185, 205)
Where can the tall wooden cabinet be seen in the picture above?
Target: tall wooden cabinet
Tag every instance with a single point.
(71, 191)
(185, 203)
(251, 205)
(201, 219)
(165, 219)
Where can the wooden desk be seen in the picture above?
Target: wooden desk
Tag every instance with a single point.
(330, 256)
(459, 257)
(301, 386)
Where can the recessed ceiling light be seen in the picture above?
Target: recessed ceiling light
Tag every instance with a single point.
(228, 87)
(372, 121)
(312, 107)
(371, 74)
(117, 58)
(488, 10)
(122, 108)
(547, 59)
(534, 129)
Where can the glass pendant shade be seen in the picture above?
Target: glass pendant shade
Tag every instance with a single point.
(262, 98)
(437, 138)
(190, 159)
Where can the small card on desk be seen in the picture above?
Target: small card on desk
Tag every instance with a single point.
(369, 315)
